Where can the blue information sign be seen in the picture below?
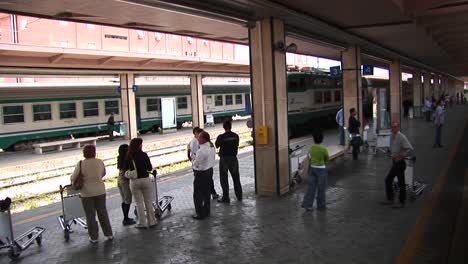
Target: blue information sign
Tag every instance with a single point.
(367, 69)
(335, 71)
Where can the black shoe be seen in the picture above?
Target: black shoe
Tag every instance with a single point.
(197, 217)
(128, 221)
(399, 206)
(223, 200)
(215, 196)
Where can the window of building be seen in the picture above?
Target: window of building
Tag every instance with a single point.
(13, 114)
(228, 99)
(112, 107)
(67, 110)
(218, 100)
(337, 96)
(110, 36)
(182, 102)
(153, 105)
(90, 109)
(327, 97)
(42, 112)
(238, 99)
(318, 97)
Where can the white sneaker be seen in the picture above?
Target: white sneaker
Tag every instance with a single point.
(109, 237)
(93, 241)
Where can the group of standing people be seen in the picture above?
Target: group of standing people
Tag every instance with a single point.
(202, 152)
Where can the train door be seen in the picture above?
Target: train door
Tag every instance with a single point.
(248, 106)
(138, 112)
(382, 106)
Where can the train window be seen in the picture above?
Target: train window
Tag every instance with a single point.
(318, 97)
(67, 110)
(112, 107)
(90, 109)
(209, 99)
(42, 112)
(13, 114)
(327, 97)
(337, 96)
(238, 99)
(153, 105)
(182, 102)
(228, 99)
(218, 100)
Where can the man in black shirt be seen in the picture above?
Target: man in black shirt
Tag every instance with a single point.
(353, 129)
(228, 143)
(110, 126)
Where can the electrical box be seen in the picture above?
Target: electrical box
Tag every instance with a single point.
(262, 135)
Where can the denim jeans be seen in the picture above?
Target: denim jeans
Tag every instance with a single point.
(317, 182)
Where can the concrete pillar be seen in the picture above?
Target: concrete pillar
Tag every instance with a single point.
(269, 96)
(395, 91)
(436, 87)
(427, 85)
(196, 93)
(417, 98)
(127, 100)
(352, 82)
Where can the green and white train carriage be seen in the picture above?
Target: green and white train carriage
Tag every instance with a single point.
(32, 113)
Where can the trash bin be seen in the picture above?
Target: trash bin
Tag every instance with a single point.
(123, 130)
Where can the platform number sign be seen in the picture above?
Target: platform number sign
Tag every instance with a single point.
(367, 70)
(335, 71)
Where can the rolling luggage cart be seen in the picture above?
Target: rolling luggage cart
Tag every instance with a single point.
(163, 204)
(296, 157)
(72, 210)
(413, 188)
(22, 242)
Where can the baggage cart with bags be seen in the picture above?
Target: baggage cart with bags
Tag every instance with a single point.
(16, 245)
(72, 210)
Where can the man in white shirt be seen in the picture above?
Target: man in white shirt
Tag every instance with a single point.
(192, 146)
(202, 166)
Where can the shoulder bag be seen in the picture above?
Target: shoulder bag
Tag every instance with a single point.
(132, 174)
(78, 182)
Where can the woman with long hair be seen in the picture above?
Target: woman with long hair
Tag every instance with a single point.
(141, 187)
(93, 193)
(124, 185)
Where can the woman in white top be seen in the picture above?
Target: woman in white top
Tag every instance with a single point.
(93, 193)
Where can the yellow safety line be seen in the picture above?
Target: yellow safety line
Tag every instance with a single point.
(417, 232)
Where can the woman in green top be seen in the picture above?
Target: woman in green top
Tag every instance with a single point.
(318, 174)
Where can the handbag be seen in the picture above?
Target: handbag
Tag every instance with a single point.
(132, 174)
(78, 182)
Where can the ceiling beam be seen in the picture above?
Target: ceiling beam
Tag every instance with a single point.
(56, 58)
(145, 62)
(105, 60)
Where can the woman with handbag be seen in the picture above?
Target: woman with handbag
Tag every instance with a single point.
(87, 178)
(137, 167)
(124, 186)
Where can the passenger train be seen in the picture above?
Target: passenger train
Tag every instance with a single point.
(31, 113)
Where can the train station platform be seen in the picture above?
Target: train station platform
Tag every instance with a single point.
(355, 227)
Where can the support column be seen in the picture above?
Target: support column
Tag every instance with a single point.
(127, 100)
(427, 85)
(395, 91)
(352, 83)
(436, 87)
(196, 93)
(417, 102)
(269, 95)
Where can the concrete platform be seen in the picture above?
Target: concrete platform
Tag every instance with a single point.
(354, 229)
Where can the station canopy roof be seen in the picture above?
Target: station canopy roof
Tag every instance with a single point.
(429, 34)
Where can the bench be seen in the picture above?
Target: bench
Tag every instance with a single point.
(76, 143)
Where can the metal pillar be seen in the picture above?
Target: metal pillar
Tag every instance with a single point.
(127, 100)
(395, 91)
(196, 92)
(268, 75)
(352, 82)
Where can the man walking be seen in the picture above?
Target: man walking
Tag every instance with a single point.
(228, 143)
(202, 165)
(110, 126)
(439, 121)
(340, 121)
(400, 148)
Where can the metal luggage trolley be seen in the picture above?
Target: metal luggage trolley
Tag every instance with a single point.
(413, 188)
(72, 210)
(163, 204)
(22, 242)
(296, 157)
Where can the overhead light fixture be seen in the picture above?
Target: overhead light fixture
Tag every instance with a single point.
(282, 47)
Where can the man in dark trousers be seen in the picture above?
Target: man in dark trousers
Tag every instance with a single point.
(400, 148)
(353, 130)
(202, 166)
(228, 143)
(110, 126)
